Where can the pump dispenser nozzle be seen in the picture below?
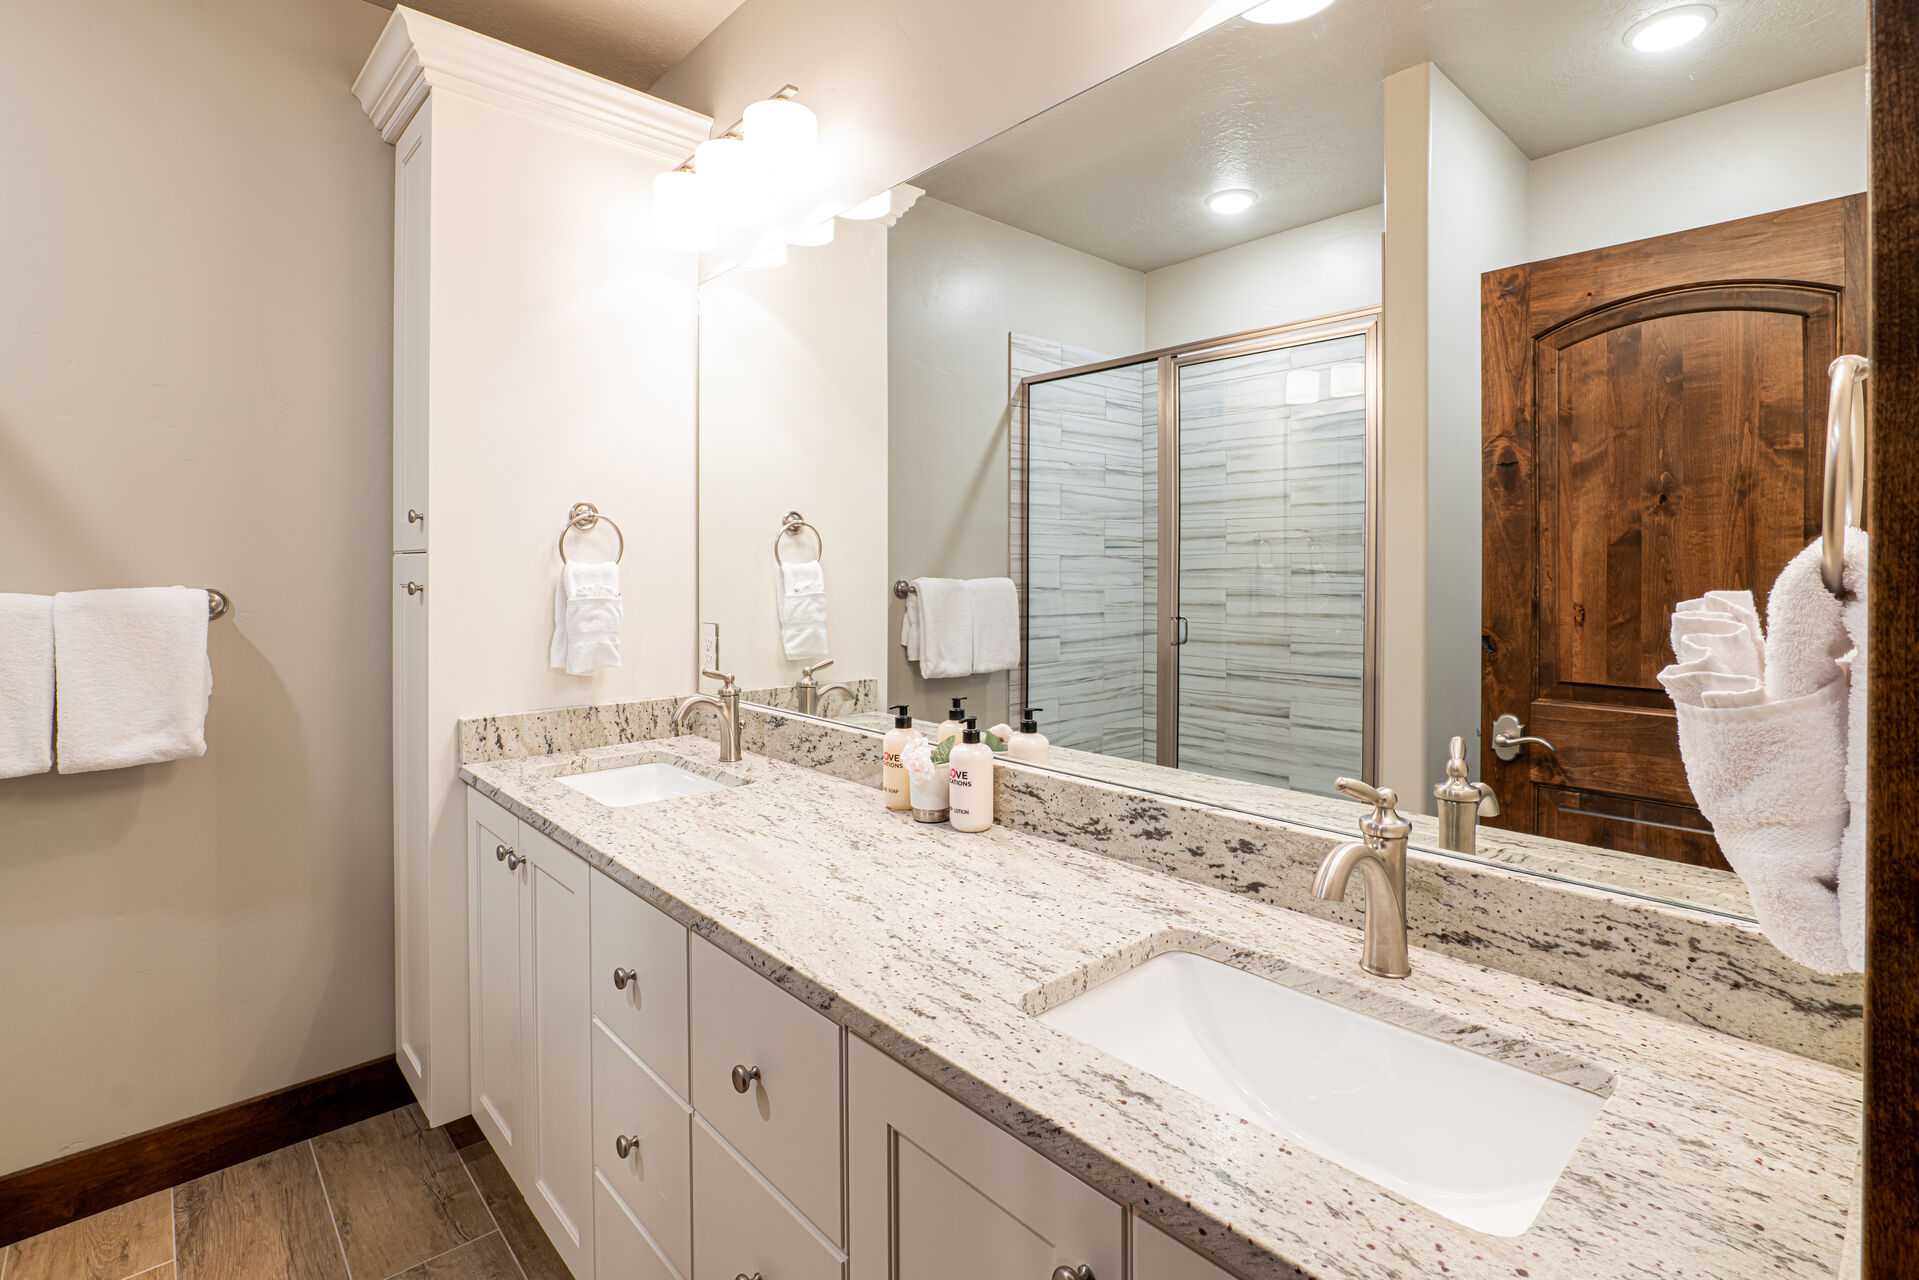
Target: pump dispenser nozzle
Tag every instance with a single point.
(901, 719)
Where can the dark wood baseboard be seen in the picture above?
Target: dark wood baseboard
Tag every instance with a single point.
(80, 1185)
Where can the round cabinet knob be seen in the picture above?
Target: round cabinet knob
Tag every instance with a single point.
(414, 588)
(503, 854)
(623, 977)
(743, 1078)
(743, 1276)
(625, 1146)
(1081, 1272)
(414, 517)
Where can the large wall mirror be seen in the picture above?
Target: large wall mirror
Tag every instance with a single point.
(1353, 377)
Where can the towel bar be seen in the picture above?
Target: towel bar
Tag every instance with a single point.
(902, 589)
(218, 606)
(584, 516)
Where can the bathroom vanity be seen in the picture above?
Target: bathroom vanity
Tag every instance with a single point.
(775, 1029)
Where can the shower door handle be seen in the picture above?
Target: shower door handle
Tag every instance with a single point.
(1182, 634)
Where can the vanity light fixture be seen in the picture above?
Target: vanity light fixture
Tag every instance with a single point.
(682, 217)
(1275, 12)
(1670, 28)
(740, 177)
(1232, 202)
(872, 207)
(782, 135)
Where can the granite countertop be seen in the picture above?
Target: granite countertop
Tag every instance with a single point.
(1711, 1156)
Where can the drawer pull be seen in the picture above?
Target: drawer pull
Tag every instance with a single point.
(743, 1276)
(743, 1078)
(625, 1146)
(621, 977)
(503, 854)
(414, 517)
(1081, 1272)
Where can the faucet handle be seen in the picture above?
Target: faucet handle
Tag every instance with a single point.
(1385, 824)
(821, 665)
(726, 681)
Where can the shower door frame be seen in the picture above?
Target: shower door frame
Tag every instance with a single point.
(1168, 361)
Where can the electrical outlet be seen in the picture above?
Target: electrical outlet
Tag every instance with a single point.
(709, 646)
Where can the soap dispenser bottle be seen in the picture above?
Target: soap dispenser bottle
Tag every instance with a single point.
(1029, 744)
(971, 794)
(954, 722)
(892, 768)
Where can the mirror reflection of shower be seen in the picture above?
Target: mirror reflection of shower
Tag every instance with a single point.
(1246, 460)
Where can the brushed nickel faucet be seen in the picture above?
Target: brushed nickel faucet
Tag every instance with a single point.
(727, 704)
(1462, 804)
(813, 693)
(1381, 858)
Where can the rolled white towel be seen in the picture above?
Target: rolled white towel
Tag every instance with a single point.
(587, 617)
(26, 684)
(131, 675)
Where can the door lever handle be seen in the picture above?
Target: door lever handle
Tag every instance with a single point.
(1509, 736)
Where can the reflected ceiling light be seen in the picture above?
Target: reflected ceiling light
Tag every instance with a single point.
(1237, 200)
(1670, 28)
(1275, 12)
(1302, 386)
(1349, 380)
(870, 208)
(814, 236)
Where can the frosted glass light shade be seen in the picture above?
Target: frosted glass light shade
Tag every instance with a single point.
(726, 166)
(1302, 386)
(784, 134)
(1349, 380)
(682, 218)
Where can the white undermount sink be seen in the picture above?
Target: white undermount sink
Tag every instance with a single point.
(1475, 1139)
(643, 784)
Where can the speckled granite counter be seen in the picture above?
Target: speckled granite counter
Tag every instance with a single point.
(1712, 1157)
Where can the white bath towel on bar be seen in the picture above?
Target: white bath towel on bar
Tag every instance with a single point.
(995, 609)
(802, 607)
(26, 685)
(588, 615)
(131, 675)
(945, 627)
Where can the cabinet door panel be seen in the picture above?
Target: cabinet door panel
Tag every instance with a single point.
(949, 1194)
(741, 1226)
(787, 1123)
(649, 1013)
(655, 1177)
(412, 845)
(557, 1047)
(621, 1248)
(496, 966)
(412, 229)
(1157, 1256)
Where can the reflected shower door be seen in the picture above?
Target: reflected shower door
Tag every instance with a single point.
(1269, 628)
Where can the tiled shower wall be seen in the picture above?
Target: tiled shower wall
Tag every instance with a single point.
(1272, 560)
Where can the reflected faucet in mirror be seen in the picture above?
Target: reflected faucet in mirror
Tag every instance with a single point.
(812, 694)
(1380, 856)
(1462, 803)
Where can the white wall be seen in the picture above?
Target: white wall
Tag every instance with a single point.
(793, 374)
(196, 239)
(1319, 269)
(958, 284)
(1793, 146)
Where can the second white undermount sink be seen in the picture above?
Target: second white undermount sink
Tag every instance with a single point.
(643, 784)
(1478, 1140)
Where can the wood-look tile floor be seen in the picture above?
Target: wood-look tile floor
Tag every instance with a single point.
(385, 1199)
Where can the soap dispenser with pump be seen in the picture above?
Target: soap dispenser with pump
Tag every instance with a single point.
(892, 767)
(971, 791)
(1029, 744)
(954, 722)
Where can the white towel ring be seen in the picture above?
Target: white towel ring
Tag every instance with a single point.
(584, 516)
(790, 528)
(1845, 502)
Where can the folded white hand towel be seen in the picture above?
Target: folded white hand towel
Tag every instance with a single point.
(912, 623)
(995, 604)
(131, 675)
(587, 617)
(945, 628)
(802, 606)
(1763, 732)
(26, 685)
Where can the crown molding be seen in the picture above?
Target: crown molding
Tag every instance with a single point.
(417, 54)
(905, 196)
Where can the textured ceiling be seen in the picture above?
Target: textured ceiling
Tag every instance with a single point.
(629, 41)
(1294, 112)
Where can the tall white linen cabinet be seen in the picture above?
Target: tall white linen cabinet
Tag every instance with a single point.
(543, 354)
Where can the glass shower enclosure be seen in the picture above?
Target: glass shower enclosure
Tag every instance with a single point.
(1192, 536)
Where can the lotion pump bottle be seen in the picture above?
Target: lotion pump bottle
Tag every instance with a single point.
(971, 802)
(954, 722)
(892, 768)
(1029, 744)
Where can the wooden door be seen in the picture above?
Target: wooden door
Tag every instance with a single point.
(1654, 421)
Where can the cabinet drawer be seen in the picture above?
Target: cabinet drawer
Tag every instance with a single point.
(742, 1228)
(621, 1248)
(649, 1011)
(787, 1122)
(655, 1177)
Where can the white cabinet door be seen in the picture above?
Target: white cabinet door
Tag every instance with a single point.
(412, 843)
(642, 1146)
(556, 1047)
(1157, 1256)
(412, 231)
(621, 1248)
(936, 1192)
(496, 960)
(742, 1227)
(639, 978)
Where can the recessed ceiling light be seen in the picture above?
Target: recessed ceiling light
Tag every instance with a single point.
(1274, 12)
(1238, 200)
(1670, 28)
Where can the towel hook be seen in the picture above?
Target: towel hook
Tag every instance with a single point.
(584, 516)
(1845, 495)
(790, 527)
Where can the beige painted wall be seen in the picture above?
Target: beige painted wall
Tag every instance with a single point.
(793, 418)
(195, 234)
